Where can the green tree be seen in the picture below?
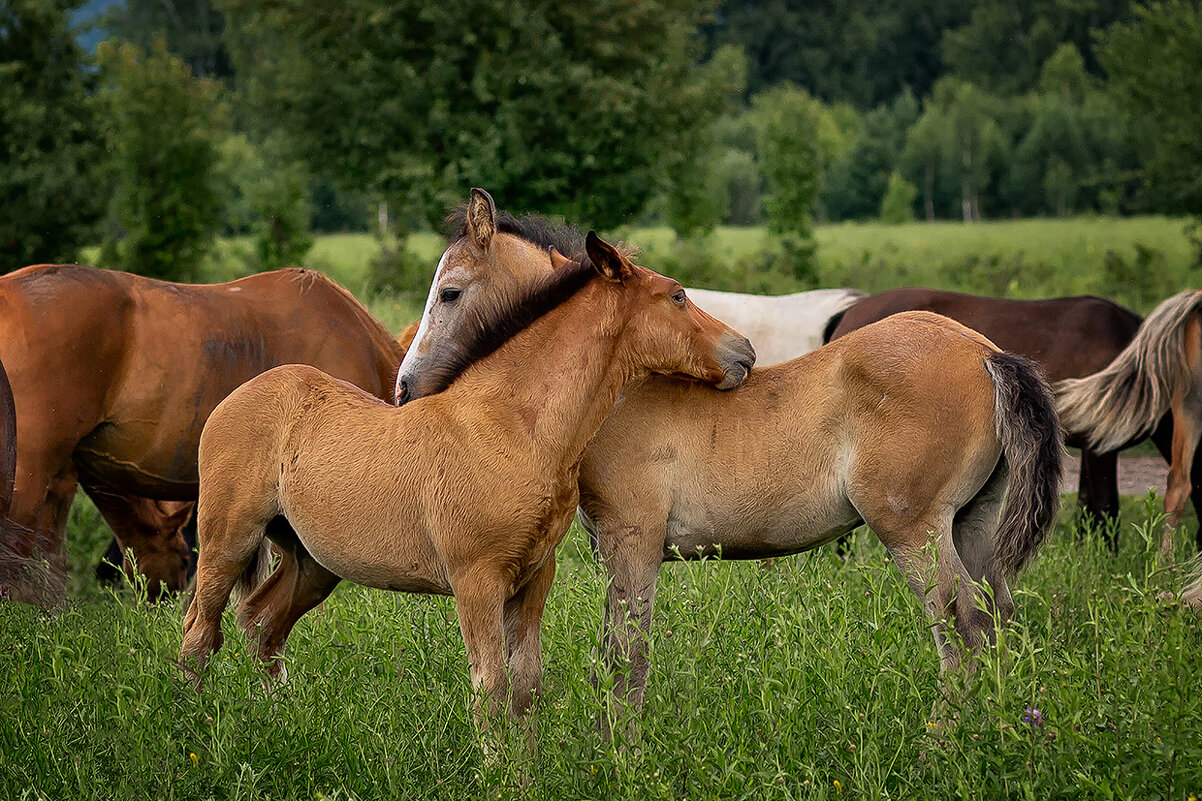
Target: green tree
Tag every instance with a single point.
(1005, 43)
(192, 30)
(165, 127)
(1070, 154)
(693, 193)
(267, 196)
(960, 138)
(789, 127)
(858, 178)
(863, 53)
(50, 147)
(897, 206)
(1155, 68)
(566, 108)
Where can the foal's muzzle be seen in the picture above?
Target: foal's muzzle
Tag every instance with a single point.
(737, 357)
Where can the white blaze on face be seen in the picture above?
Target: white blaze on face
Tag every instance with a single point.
(411, 356)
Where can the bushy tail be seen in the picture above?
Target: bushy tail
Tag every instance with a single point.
(1033, 448)
(1125, 400)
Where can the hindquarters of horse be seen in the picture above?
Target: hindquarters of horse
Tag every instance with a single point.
(1068, 337)
(125, 370)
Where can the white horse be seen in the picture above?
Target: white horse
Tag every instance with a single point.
(781, 327)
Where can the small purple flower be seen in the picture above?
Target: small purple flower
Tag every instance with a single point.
(1032, 716)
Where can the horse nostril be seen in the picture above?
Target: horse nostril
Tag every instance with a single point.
(402, 392)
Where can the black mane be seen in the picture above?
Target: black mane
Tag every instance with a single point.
(534, 228)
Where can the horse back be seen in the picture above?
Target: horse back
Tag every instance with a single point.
(1069, 337)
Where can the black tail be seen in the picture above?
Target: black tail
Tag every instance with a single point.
(1033, 447)
(831, 325)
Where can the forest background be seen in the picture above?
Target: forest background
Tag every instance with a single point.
(200, 139)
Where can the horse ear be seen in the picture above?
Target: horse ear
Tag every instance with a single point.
(481, 218)
(558, 260)
(606, 259)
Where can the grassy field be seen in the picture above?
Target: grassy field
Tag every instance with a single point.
(812, 679)
(1138, 261)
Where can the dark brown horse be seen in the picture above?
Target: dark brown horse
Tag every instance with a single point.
(113, 376)
(1069, 337)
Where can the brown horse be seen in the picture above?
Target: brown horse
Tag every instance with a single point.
(159, 520)
(1068, 337)
(917, 426)
(466, 493)
(113, 376)
(1159, 371)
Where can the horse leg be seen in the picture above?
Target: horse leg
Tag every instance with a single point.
(1098, 491)
(523, 615)
(479, 599)
(949, 595)
(297, 585)
(973, 531)
(632, 555)
(231, 535)
(1186, 408)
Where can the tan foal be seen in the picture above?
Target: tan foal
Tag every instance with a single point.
(467, 492)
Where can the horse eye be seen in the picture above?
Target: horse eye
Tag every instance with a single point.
(679, 298)
(449, 295)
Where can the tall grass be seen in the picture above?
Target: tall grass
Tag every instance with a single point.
(812, 679)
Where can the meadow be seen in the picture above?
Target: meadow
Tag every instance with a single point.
(812, 678)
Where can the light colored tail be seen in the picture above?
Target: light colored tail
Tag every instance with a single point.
(1032, 447)
(1126, 399)
(260, 567)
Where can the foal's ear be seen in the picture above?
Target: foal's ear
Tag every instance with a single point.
(481, 218)
(606, 259)
(558, 260)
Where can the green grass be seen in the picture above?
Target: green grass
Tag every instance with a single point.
(768, 684)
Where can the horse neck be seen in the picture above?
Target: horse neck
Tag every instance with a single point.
(557, 379)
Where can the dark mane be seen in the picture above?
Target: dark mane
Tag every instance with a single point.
(534, 228)
(492, 324)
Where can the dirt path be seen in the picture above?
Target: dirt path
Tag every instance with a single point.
(1136, 474)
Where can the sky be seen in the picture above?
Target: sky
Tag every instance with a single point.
(85, 14)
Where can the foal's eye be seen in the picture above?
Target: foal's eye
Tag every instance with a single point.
(678, 298)
(449, 295)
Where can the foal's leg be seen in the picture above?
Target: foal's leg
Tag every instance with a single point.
(632, 554)
(943, 583)
(523, 639)
(230, 538)
(298, 584)
(974, 530)
(479, 598)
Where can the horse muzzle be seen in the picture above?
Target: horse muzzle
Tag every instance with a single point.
(737, 356)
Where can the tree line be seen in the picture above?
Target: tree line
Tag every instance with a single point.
(276, 118)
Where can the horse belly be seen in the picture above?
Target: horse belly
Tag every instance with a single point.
(755, 526)
(370, 541)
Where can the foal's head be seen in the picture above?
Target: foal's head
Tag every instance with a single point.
(496, 257)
